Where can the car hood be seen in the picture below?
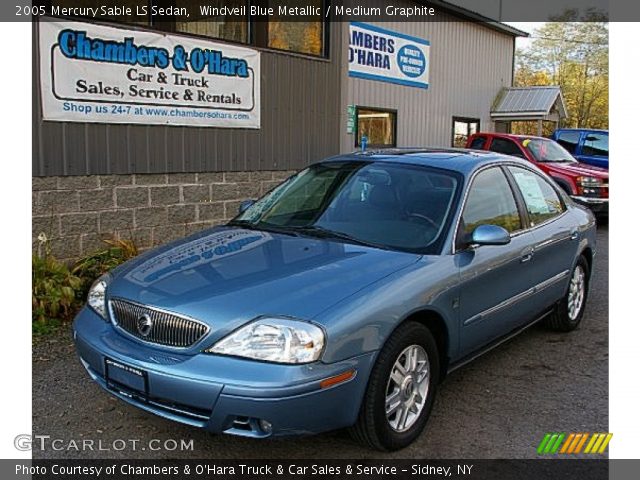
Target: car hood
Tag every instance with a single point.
(228, 276)
(577, 168)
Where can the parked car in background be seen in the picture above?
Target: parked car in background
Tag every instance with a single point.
(342, 297)
(587, 145)
(586, 184)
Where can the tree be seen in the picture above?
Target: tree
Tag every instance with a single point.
(572, 52)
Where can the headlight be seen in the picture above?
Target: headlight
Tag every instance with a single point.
(97, 296)
(589, 181)
(278, 340)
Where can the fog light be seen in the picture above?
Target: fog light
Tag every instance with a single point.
(265, 426)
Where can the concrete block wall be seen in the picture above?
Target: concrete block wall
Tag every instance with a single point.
(78, 213)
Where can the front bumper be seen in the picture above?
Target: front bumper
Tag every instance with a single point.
(599, 206)
(225, 394)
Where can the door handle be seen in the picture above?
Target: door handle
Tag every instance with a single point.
(526, 257)
(574, 235)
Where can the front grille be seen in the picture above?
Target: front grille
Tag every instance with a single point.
(165, 328)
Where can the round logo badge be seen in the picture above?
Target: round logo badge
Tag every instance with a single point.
(412, 61)
(144, 325)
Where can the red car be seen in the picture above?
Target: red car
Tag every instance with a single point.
(585, 184)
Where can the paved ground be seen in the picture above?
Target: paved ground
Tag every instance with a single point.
(497, 407)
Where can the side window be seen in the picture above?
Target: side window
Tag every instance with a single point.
(478, 143)
(569, 140)
(506, 146)
(541, 199)
(596, 144)
(490, 201)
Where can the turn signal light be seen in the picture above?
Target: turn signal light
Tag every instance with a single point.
(343, 377)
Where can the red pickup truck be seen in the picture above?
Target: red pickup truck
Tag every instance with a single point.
(586, 184)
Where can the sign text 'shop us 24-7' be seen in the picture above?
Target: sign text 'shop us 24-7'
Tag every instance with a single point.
(95, 73)
(379, 54)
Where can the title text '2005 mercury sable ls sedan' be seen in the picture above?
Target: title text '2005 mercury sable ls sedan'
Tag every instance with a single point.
(342, 297)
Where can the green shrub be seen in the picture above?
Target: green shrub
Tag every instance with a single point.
(93, 266)
(58, 292)
(54, 295)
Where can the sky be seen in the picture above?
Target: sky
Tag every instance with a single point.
(528, 27)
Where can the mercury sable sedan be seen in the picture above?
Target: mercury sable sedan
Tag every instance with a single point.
(342, 297)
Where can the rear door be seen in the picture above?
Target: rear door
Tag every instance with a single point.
(494, 280)
(595, 149)
(555, 233)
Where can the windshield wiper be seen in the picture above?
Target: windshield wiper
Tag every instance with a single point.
(559, 160)
(263, 227)
(322, 232)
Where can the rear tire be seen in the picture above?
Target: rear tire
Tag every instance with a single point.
(568, 313)
(401, 390)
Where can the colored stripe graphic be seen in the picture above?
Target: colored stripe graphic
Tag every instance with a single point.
(605, 443)
(572, 443)
(543, 443)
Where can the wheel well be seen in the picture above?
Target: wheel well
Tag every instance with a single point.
(436, 324)
(564, 185)
(588, 254)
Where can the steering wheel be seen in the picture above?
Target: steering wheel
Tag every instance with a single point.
(424, 219)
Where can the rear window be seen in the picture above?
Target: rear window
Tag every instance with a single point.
(596, 144)
(506, 146)
(478, 143)
(569, 140)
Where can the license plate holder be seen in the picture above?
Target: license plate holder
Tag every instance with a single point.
(127, 380)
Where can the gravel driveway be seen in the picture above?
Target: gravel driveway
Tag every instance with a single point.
(499, 406)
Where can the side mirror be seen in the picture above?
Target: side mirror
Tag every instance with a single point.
(244, 205)
(490, 235)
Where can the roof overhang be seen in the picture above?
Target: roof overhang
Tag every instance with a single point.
(472, 16)
(529, 103)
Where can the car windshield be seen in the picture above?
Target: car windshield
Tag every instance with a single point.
(384, 205)
(547, 151)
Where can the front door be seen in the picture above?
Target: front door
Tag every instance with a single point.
(495, 281)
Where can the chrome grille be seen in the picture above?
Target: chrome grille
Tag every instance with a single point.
(166, 328)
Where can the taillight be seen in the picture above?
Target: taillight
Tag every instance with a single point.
(592, 187)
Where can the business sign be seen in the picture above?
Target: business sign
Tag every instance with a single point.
(351, 119)
(379, 54)
(95, 73)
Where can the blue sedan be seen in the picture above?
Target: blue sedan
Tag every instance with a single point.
(342, 297)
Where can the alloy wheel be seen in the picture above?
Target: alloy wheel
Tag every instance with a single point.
(407, 388)
(577, 289)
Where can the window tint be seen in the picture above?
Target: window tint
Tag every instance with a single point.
(381, 204)
(478, 143)
(596, 144)
(491, 202)
(569, 140)
(505, 146)
(541, 199)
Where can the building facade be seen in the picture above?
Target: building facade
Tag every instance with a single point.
(154, 180)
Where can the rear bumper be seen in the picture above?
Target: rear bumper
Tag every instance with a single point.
(224, 394)
(599, 206)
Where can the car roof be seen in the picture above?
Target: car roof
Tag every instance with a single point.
(462, 160)
(600, 130)
(508, 135)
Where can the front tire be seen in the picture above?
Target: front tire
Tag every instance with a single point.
(568, 313)
(401, 390)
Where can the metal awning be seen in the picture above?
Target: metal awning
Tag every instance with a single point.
(529, 103)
